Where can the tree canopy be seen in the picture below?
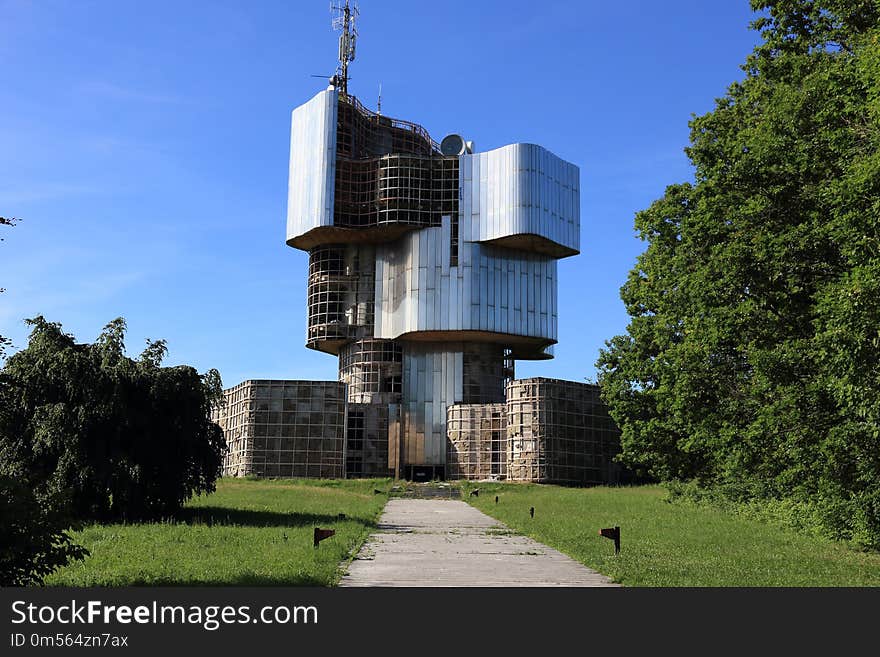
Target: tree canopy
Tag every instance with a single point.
(752, 359)
(125, 438)
(89, 434)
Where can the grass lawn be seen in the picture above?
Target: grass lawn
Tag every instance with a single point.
(664, 544)
(246, 533)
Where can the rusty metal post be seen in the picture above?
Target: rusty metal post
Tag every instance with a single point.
(614, 534)
(321, 534)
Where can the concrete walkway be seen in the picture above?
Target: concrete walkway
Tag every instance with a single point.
(450, 543)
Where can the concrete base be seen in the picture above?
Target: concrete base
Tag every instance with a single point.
(450, 543)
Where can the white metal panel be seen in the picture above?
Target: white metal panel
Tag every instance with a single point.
(492, 289)
(521, 189)
(312, 174)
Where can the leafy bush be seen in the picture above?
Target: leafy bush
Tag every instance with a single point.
(121, 438)
(87, 433)
(34, 541)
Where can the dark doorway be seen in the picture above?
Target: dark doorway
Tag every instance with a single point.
(425, 472)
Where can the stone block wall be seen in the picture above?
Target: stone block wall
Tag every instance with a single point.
(283, 428)
(477, 441)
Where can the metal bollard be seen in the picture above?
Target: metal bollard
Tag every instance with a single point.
(614, 534)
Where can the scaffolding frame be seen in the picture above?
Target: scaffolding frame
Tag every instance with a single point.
(482, 373)
(367, 441)
(372, 369)
(560, 432)
(477, 441)
(389, 171)
(341, 295)
(284, 429)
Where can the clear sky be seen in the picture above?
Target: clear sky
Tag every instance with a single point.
(144, 145)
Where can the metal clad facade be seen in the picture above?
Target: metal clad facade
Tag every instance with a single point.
(492, 289)
(435, 375)
(520, 189)
(465, 276)
(312, 175)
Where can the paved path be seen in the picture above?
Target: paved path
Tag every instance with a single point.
(450, 543)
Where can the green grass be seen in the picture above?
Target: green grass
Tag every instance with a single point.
(246, 533)
(664, 544)
(260, 533)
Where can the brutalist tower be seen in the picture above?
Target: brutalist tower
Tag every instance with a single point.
(432, 269)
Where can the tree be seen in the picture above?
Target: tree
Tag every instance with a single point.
(752, 359)
(121, 438)
(35, 539)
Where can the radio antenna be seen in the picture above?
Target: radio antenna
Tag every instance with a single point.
(344, 17)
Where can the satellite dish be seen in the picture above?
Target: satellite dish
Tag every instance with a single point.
(453, 145)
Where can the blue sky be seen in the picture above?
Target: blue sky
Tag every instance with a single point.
(145, 148)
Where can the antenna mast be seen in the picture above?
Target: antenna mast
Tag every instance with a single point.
(343, 18)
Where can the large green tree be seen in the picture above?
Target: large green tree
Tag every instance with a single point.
(752, 359)
(34, 535)
(120, 438)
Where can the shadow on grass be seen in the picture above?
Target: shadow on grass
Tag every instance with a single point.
(223, 516)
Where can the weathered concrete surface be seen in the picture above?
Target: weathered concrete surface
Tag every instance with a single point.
(450, 543)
